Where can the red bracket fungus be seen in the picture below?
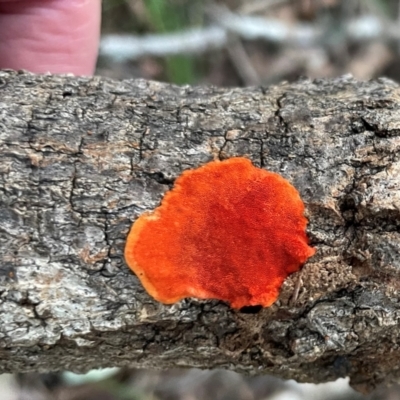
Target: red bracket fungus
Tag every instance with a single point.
(227, 231)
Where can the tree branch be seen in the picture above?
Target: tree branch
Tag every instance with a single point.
(81, 158)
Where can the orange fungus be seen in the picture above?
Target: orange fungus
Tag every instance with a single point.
(227, 231)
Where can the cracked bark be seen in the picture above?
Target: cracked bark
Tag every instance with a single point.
(81, 158)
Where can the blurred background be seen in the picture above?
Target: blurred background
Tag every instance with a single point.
(228, 43)
(249, 42)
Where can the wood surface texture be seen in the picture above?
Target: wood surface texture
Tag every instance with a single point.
(82, 158)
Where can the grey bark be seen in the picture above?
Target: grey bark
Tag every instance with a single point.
(82, 158)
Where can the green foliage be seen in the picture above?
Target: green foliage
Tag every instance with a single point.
(382, 7)
(172, 16)
(164, 16)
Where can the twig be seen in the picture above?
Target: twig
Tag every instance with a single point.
(260, 6)
(242, 63)
(123, 47)
(254, 27)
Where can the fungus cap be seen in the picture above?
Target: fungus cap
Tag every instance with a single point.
(227, 230)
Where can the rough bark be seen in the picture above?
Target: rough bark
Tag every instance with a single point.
(81, 158)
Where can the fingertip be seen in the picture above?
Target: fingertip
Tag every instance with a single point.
(57, 36)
